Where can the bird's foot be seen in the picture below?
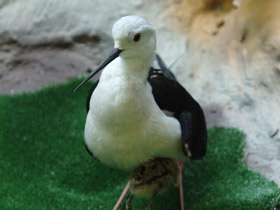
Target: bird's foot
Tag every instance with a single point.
(128, 205)
(181, 167)
(151, 204)
(122, 196)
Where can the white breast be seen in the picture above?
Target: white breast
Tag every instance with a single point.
(125, 127)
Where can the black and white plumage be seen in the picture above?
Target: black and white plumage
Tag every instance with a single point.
(172, 97)
(137, 113)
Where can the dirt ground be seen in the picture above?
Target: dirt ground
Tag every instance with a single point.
(28, 68)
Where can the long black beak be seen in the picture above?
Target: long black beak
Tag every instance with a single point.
(113, 55)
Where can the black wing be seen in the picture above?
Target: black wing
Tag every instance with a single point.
(171, 96)
(87, 107)
(166, 72)
(90, 93)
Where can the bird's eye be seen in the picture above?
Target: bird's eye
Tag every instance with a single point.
(137, 37)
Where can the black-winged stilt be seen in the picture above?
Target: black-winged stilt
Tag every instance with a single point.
(138, 115)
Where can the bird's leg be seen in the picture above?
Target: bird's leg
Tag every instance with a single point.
(122, 196)
(129, 202)
(181, 167)
(151, 204)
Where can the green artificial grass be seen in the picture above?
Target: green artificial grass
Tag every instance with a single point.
(44, 165)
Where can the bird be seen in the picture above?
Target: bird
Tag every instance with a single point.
(138, 113)
(152, 178)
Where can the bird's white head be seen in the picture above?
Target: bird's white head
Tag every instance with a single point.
(135, 36)
(134, 41)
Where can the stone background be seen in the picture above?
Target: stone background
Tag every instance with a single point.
(227, 55)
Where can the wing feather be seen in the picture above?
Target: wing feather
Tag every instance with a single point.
(171, 96)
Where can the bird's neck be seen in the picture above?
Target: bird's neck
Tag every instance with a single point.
(137, 66)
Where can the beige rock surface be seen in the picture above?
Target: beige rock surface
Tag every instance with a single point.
(233, 69)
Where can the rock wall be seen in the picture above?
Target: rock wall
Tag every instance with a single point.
(227, 55)
(232, 66)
